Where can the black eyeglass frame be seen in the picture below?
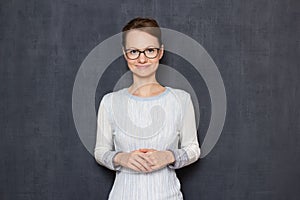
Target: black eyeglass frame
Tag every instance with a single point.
(126, 51)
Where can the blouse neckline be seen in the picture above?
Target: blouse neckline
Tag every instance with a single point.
(147, 98)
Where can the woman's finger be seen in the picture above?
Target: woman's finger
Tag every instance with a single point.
(147, 158)
(134, 167)
(146, 150)
(143, 161)
(140, 166)
(138, 162)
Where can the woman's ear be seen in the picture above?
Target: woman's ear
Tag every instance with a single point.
(124, 54)
(161, 51)
(123, 50)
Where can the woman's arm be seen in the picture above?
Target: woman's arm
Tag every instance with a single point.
(189, 150)
(104, 151)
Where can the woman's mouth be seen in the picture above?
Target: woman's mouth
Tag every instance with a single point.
(142, 66)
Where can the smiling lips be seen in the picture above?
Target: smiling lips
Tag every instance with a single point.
(142, 66)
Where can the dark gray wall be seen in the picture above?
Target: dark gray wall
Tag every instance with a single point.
(254, 43)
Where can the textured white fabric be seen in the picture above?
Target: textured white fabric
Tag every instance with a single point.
(164, 122)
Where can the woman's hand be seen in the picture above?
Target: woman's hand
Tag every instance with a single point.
(136, 160)
(159, 159)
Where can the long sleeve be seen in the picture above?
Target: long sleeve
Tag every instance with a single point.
(189, 150)
(104, 151)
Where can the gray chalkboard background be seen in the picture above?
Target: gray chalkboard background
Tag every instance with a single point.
(255, 45)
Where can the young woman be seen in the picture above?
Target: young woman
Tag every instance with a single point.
(146, 131)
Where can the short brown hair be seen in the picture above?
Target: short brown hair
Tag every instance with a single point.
(147, 25)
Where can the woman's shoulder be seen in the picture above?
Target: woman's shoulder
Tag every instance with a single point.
(182, 95)
(180, 92)
(112, 94)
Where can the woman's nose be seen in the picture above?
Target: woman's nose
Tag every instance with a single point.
(142, 58)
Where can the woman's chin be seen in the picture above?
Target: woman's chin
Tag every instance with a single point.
(143, 73)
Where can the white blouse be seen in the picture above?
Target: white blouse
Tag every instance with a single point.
(164, 122)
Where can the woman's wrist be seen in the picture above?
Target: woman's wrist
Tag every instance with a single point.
(170, 157)
(117, 159)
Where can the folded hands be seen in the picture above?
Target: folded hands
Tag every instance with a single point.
(144, 160)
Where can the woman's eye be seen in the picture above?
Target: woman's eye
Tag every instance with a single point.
(150, 50)
(133, 52)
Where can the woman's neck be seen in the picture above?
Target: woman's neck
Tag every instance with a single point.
(145, 87)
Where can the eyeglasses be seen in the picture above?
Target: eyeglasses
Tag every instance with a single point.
(150, 53)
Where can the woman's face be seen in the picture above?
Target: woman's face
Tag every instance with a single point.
(139, 40)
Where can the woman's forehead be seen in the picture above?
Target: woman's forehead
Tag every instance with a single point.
(140, 39)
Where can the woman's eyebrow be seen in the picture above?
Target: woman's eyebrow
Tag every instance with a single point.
(151, 46)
